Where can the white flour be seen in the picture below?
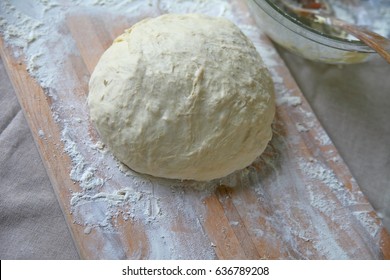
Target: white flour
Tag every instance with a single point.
(110, 193)
(372, 14)
(289, 100)
(301, 127)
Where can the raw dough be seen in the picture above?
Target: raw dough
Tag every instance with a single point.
(183, 96)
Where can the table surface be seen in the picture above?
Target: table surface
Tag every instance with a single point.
(350, 102)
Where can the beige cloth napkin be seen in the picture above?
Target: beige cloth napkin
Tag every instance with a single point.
(32, 225)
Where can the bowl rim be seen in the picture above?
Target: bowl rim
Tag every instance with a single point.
(301, 29)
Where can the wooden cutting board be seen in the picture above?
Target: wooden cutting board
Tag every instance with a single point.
(297, 201)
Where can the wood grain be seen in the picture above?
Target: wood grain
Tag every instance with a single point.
(294, 202)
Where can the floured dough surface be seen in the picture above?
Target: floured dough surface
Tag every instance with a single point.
(184, 97)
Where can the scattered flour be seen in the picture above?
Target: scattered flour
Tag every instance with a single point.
(320, 200)
(323, 138)
(289, 100)
(41, 133)
(301, 127)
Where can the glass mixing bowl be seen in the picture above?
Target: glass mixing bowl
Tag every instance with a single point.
(291, 33)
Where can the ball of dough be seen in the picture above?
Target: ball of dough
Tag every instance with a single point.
(184, 97)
